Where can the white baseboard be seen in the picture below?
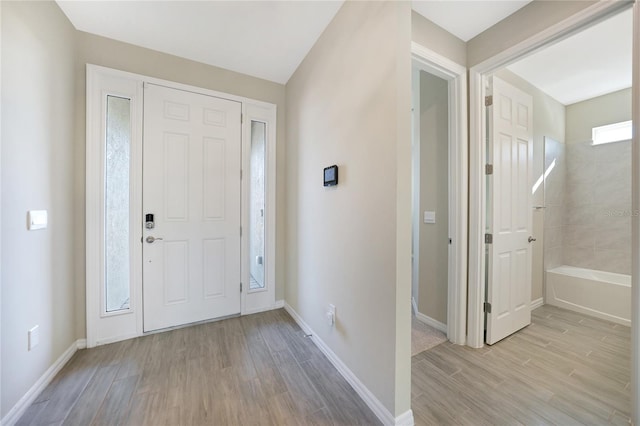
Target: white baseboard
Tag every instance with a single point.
(369, 398)
(431, 322)
(537, 303)
(405, 419)
(21, 406)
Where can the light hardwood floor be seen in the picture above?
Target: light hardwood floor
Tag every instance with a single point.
(254, 370)
(564, 369)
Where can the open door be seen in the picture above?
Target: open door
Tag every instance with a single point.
(509, 215)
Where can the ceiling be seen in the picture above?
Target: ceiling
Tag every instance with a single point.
(265, 39)
(467, 19)
(591, 63)
(269, 39)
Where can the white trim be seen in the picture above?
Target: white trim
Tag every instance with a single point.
(415, 185)
(537, 303)
(431, 322)
(369, 398)
(635, 223)
(477, 77)
(253, 301)
(102, 82)
(414, 305)
(27, 399)
(279, 304)
(456, 75)
(405, 419)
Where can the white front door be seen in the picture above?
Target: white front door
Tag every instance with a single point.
(191, 186)
(510, 151)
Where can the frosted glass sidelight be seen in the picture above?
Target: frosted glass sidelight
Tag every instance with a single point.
(116, 197)
(257, 205)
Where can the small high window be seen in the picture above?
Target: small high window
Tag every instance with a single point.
(615, 132)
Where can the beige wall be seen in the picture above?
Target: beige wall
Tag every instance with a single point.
(428, 34)
(348, 104)
(38, 288)
(583, 116)
(122, 56)
(521, 25)
(548, 120)
(434, 196)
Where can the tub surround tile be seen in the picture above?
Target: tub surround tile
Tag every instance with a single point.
(553, 258)
(578, 195)
(579, 236)
(588, 199)
(618, 261)
(580, 216)
(553, 237)
(579, 256)
(615, 239)
(616, 153)
(579, 153)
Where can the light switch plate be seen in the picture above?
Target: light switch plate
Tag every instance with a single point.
(36, 219)
(34, 337)
(429, 217)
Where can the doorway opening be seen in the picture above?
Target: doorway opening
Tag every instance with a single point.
(431, 234)
(479, 79)
(439, 179)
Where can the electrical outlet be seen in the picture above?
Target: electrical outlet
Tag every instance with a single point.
(34, 337)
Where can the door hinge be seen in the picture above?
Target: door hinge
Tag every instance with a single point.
(450, 241)
(241, 231)
(240, 174)
(488, 169)
(240, 287)
(487, 307)
(488, 100)
(488, 238)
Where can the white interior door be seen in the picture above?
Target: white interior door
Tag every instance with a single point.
(510, 151)
(191, 184)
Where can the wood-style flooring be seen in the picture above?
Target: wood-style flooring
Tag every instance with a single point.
(253, 370)
(563, 369)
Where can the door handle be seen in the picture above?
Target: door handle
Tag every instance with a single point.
(151, 239)
(531, 239)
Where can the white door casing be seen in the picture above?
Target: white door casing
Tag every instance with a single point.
(456, 74)
(510, 151)
(191, 184)
(257, 300)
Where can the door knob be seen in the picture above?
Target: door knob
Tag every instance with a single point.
(531, 239)
(151, 239)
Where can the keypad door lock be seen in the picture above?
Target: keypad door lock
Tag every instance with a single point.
(150, 224)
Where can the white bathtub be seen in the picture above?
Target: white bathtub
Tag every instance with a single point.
(600, 294)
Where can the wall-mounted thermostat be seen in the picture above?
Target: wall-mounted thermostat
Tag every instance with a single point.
(36, 219)
(331, 175)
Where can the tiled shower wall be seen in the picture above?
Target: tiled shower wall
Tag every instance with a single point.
(588, 206)
(597, 217)
(554, 200)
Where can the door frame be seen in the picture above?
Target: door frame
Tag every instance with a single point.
(477, 129)
(455, 74)
(102, 327)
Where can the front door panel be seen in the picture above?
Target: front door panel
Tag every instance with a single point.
(191, 185)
